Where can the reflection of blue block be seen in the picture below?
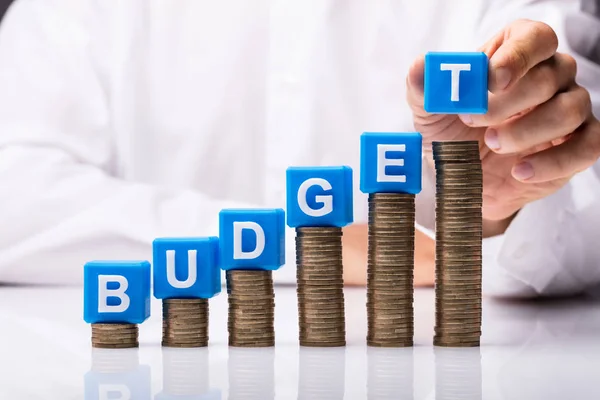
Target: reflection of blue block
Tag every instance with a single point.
(116, 291)
(213, 394)
(133, 384)
(319, 196)
(390, 162)
(456, 83)
(252, 239)
(186, 267)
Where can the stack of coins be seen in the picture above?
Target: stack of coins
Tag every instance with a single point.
(115, 336)
(321, 310)
(390, 268)
(251, 308)
(459, 181)
(185, 323)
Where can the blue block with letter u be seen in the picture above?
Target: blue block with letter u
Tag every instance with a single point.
(391, 162)
(456, 83)
(252, 239)
(186, 267)
(319, 196)
(116, 292)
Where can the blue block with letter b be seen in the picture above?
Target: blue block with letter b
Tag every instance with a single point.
(456, 83)
(252, 239)
(186, 267)
(116, 292)
(390, 162)
(319, 196)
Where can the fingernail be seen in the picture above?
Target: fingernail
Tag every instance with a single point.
(491, 139)
(523, 171)
(466, 119)
(502, 78)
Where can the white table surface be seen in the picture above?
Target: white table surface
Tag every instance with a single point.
(541, 350)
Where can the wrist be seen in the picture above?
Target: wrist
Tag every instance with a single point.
(493, 228)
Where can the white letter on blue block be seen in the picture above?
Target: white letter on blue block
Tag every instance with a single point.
(326, 200)
(104, 293)
(455, 80)
(383, 161)
(107, 392)
(172, 279)
(238, 253)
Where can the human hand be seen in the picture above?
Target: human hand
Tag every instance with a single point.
(539, 130)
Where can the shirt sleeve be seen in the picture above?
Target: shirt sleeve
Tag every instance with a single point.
(61, 204)
(550, 248)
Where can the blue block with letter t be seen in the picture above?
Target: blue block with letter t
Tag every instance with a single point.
(186, 267)
(390, 162)
(456, 83)
(319, 196)
(252, 239)
(116, 292)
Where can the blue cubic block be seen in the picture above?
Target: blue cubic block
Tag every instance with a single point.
(252, 239)
(116, 292)
(390, 162)
(186, 268)
(456, 83)
(319, 196)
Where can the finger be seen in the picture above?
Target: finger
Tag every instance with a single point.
(577, 154)
(538, 86)
(415, 83)
(556, 118)
(526, 44)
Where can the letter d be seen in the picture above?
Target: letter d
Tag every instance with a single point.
(238, 253)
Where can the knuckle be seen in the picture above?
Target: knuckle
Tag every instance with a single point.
(546, 80)
(593, 144)
(544, 33)
(569, 65)
(573, 107)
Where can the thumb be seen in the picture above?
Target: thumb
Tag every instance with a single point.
(415, 85)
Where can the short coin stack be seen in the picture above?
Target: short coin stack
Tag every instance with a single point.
(115, 336)
(185, 322)
(320, 286)
(459, 186)
(390, 274)
(251, 308)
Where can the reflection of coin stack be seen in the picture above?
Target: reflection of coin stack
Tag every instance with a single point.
(391, 374)
(457, 374)
(185, 373)
(251, 308)
(113, 362)
(322, 373)
(390, 269)
(320, 286)
(115, 336)
(251, 374)
(459, 180)
(185, 322)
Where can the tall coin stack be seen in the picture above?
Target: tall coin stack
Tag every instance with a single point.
(251, 308)
(390, 270)
(391, 176)
(319, 205)
(320, 278)
(185, 322)
(115, 336)
(459, 200)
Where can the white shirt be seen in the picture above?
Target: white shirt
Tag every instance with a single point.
(122, 121)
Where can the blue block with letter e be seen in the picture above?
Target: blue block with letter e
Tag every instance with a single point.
(116, 292)
(456, 83)
(390, 162)
(252, 239)
(186, 267)
(319, 196)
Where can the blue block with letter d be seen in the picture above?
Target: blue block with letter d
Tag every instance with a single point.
(252, 239)
(116, 292)
(319, 196)
(186, 267)
(456, 83)
(391, 162)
